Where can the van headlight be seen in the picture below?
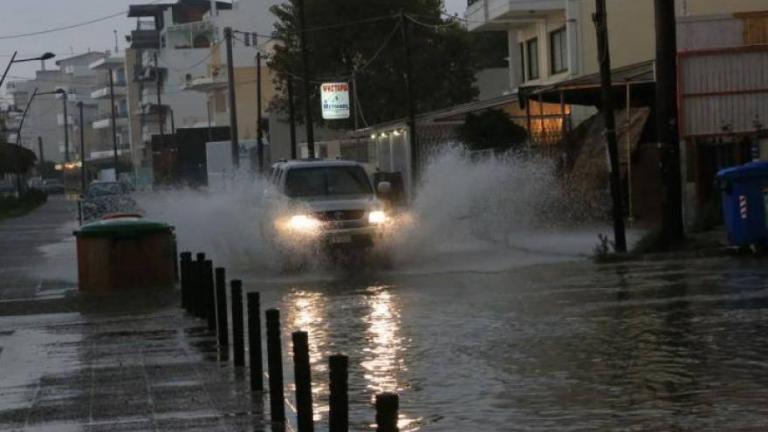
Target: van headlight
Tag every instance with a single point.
(303, 223)
(377, 217)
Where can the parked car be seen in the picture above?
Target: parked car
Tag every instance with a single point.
(53, 186)
(107, 197)
(324, 206)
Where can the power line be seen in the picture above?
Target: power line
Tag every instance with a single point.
(70, 27)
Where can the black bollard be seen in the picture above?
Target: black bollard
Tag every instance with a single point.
(254, 342)
(199, 286)
(186, 260)
(275, 364)
(303, 377)
(192, 292)
(221, 307)
(338, 399)
(238, 335)
(210, 296)
(387, 405)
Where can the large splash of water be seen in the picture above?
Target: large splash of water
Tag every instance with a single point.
(497, 204)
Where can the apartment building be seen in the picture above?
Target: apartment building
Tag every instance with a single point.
(46, 120)
(550, 41)
(171, 44)
(110, 84)
(251, 20)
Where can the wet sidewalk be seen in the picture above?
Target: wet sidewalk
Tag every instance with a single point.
(119, 371)
(76, 362)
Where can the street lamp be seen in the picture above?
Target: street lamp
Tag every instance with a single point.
(26, 110)
(63, 94)
(45, 56)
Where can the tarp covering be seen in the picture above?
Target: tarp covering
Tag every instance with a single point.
(14, 159)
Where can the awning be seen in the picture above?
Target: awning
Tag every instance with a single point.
(585, 90)
(15, 159)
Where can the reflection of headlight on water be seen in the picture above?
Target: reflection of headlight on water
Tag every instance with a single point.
(377, 218)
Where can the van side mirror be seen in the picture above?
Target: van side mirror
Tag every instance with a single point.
(384, 188)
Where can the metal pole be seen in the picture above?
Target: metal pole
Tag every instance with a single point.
(7, 68)
(83, 172)
(387, 406)
(275, 365)
(338, 398)
(114, 120)
(673, 230)
(414, 144)
(234, 134)
(354, 98)
(292, 118)
(65, 98)
(629, 151)
(307, 83)
(254, 341)
(303, 379)
(40, 153)
(259, 131)
(24, 117)
(604, 59)
(238, 333)
(160, 117)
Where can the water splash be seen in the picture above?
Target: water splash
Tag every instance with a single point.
(506, 206)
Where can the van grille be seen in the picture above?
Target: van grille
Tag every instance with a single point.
(341, 215)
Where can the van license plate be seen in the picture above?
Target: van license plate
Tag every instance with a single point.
(341, 239)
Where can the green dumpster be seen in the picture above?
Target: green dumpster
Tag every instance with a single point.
(126, 254)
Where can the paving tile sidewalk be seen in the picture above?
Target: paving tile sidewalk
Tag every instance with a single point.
(76, 362)
(135, 371)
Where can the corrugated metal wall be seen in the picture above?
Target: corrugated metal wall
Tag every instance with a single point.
(724, 89)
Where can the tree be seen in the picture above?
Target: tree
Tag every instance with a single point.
(492, 129)
(444, 64)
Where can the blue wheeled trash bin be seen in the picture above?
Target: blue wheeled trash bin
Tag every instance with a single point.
(745, 203)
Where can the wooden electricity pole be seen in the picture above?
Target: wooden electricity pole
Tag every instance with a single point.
(607, 108)
(673, 230)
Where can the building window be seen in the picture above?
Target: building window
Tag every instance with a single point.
(558, 48)
(532, 58)
(522, 62)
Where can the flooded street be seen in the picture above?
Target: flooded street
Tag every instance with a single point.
(570, 346)
(530, 337)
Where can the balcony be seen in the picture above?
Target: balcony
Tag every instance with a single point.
(205, 84)
(104, 93)
(497, 15)
(104, 121)
(145, 39)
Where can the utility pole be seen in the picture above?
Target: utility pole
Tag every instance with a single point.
(234, 134)
(65, 98)
(604, 59)
(83, 172)
(414, 142)
(292, 118)
(114, 121)
(307, 83)
(673, 230)
(259, 131)
(160, 117)
(354, 99)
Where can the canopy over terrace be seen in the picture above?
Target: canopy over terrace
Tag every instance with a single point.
(637, 80)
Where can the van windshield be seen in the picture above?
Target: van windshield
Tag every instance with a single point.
(327, 181)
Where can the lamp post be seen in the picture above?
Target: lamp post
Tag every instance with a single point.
(114, 120)
(45, 56)
(26, 110)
